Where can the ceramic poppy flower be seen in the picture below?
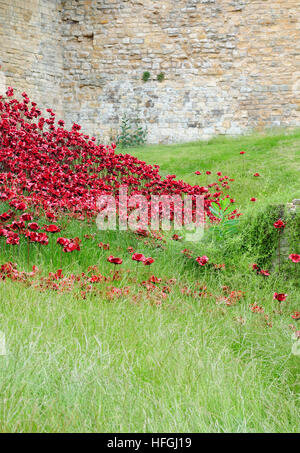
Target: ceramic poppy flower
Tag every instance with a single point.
(188, 253)
(17, 225)
(62, 241)
(20, 206)
(139, 257)
(26, 217)
(114, 260)
(296, 315)
(294, 257)
(50, 215)
(13, 238)
(71, 246)
(202, 260)
(265, 272)
(33, 226)
(281, 297)
(9, 92)
(154, 279)
(279, 224)
(42, 238)
(103, 246)
(51, 228)
(256, 308)
(6, 216)
(176, 237)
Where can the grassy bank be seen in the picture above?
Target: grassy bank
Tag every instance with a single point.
(174, 363)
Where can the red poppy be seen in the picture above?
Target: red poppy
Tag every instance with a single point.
(33, 226)
(252, 199)
(71, 246)
(62, 241)
(50, 215)
(256, 308)
(296, 315)
(114, 260)
(6, 216)
(13, 238)
(294, 257)
(154, 279)
(103, 246)
(202, 260)
(138, 257)
(279, 224)
(26, 217)
(42, 238)
(188, 253)
(51, 229)
(197, 172)
(265, 273)
(9, 92)
(17, 225)
(280, 297)
(256, 174)
(175, 237)
(20, 206)
(242, 152)
(148, 261)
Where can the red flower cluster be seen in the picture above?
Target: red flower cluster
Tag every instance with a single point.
(256, 308)
(13, 231)
(69, 245)
(202, 260)
(140, 258)
(44, 165)
(260, 271)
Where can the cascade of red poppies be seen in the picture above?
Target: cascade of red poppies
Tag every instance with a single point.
(43, 164)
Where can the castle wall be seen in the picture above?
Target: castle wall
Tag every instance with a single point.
(30, 49)
(230, 66)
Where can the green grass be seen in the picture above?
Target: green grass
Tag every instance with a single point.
(187, 365)
(276, 157)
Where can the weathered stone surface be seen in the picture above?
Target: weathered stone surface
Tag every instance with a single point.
(230, 66)
(285, 249)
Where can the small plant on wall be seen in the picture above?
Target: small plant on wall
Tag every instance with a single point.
(146, 76)
(131, 134)
(161, 77)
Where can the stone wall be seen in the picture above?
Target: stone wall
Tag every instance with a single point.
(31, 49)
(230, 66)
(285, 246)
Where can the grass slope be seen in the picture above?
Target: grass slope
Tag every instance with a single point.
(188, 365)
